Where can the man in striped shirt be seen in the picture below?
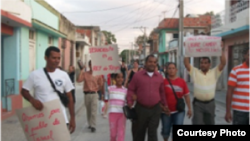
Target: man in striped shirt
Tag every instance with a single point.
(238, 93)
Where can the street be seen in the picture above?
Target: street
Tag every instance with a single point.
(82, 133)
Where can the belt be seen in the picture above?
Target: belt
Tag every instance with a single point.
(195, 99)
(89, 92)
(145, 106)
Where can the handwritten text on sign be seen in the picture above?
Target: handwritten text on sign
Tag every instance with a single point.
(105, 60)
(45, 125)
(199, 46)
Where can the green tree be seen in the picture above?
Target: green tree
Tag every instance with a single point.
(110, 38)
(211, 13)
(126, 53)
(140, 39)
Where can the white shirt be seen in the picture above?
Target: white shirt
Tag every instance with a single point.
(43, 90)
(150, 74)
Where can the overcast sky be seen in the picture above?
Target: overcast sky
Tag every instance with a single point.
(125, 15)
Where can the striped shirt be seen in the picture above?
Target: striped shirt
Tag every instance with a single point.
(239, 78)
(117, 97)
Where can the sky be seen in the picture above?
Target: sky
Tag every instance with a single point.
(125, 17)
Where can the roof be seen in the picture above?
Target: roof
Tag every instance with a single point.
(96, 28)
(173, 23)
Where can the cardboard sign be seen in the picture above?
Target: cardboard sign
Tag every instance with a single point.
(202, 46)
(46, 125)
(105, 60)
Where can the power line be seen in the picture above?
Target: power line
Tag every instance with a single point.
(102, 9)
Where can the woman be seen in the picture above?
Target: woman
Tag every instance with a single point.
(132, 72)
(181, 90)
(124, 71)
(72, 78)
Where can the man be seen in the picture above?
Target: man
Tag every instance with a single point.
(148, 86)
(204, 88)
(43, 91)
(124, 70)
(92, 85)
(238, 93)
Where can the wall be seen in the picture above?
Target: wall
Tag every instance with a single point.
(17, 6)
(162, 41)
(66, 27)
(42, 14)
(41, 46)
(24, 51)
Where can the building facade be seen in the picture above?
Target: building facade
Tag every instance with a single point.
(16, 16)
(232, 24)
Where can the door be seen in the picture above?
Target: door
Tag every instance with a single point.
(32, 51)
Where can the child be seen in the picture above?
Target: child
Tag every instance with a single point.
(117, 120)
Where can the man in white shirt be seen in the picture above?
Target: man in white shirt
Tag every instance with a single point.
(43, 90)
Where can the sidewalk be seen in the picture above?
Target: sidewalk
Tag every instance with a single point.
(12, 130)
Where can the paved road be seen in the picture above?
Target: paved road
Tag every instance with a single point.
(12, 131)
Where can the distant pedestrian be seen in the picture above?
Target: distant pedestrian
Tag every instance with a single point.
(174, 86)
(238, 93)
(157, 69)
(72, 78)
(124, 70)
(204, 88)
(92, 84)
(141, 68)
(105, 96)
(44, 92)
(131, 72)
(148, 86)
(117, 99)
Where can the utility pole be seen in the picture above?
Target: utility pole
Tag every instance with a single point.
(180, 48)
(143, 29)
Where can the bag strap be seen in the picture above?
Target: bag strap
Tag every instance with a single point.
(52, 84)
(172, 87)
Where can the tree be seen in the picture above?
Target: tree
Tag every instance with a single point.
(140, 40)
(110, 38)
(126, 53)
(211, 13)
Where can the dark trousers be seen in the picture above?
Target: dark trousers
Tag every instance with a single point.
(134, 125)
(148, 121)
(204, 112)
(240, 118)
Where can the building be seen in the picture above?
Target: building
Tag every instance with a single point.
(15, 22)
(87, 36)
(30, 27)
(168, 30)
(67, 44)
(153, 42)
(232, 24)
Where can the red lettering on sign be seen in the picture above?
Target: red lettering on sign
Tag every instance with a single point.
(111, 49)
(52, 112)
(28, 118)
(105, 69)
(110, 58)
(40, 126)
(210, 44)
(98, 49)
(97, 68)
(56, 122)
(114, 68)
(43, 138)
(104, 56)
(26, 129)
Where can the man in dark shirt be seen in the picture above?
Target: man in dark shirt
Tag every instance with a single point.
(148, 85)
(72, 78)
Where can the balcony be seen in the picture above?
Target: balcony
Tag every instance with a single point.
(173, 45)
(80, 37)
(233, 18)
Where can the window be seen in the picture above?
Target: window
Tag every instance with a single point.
(31, 35)
(175, 36)
(50, 40)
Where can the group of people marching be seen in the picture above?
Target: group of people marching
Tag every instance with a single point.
(155, 96)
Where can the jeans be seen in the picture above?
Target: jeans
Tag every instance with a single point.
(168, 121)
(240, 118)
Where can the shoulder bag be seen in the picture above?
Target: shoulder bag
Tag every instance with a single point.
(63, 96)
(180, 106)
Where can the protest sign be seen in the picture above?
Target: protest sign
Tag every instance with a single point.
(104, 59)
(199, 46)
(48, 124)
